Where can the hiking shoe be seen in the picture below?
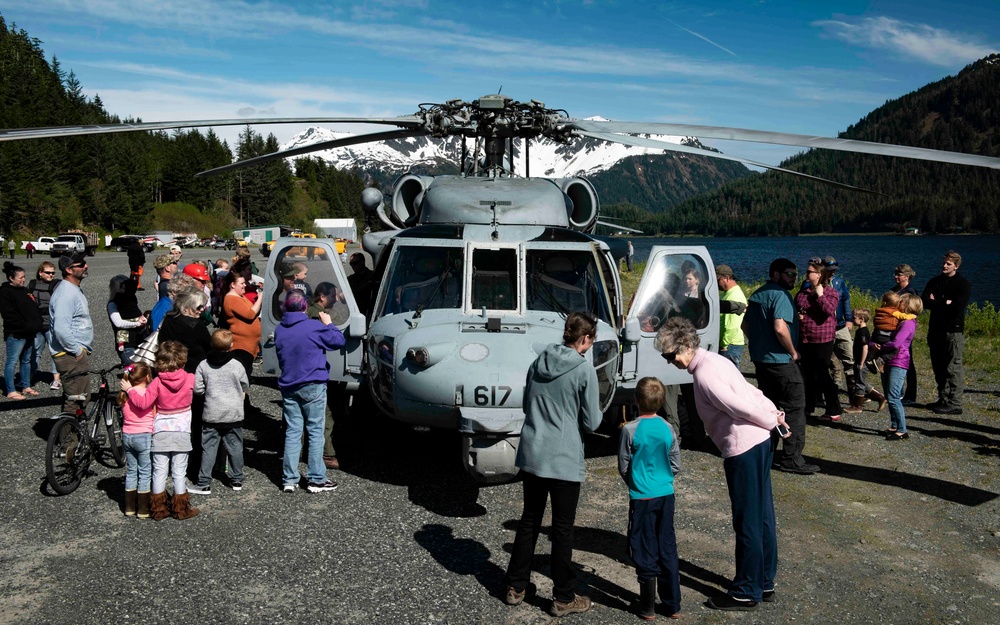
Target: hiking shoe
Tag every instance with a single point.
(289, 488)
(726, 602)
(331, 462)
(579, 603)
(955, 410)
(200, 490)
(323, 487)
(236, 486)
(803, 469)
(515, 597)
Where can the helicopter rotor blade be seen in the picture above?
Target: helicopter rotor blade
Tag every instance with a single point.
(15, 134)
(782, 138)
(315, 147)
(642, 142)
(617, 226)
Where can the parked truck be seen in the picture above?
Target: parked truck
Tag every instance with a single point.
(42, 244)
(74, 241)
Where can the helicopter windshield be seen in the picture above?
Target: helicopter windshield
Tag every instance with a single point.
(673, 287)
(566, 281)
(424, 278)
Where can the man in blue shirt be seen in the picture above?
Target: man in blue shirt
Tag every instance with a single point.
(772, 327)
(72, 333)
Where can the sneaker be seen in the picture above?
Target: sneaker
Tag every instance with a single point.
(953, 410)
(289, 488)
(236, 486)
(833, 418)
(323, 487)
(579, 603)
(768, 596)
(804, 469)
(200, 490)
(56, 385)
(515, 597)
(726, 602)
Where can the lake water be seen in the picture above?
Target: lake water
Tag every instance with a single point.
(865, 261)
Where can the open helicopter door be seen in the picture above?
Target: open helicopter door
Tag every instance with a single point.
(679, 282)
(314, 269)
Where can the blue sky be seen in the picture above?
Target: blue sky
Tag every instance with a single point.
(804, 67)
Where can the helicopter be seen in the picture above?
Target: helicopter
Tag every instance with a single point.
(477, 271)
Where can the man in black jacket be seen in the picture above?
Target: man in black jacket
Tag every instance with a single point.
(946, 297)
(136, 259)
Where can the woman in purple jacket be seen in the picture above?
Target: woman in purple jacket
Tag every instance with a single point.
(301, 344)
(894, 375)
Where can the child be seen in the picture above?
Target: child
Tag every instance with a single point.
(887, 319)
(223, 381)
(648, 460)
(137, 436)
(171, 392)
(862, 390)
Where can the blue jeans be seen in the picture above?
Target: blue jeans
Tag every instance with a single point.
(304, 406)
(23, 350)
(734, 353)
(893, 379)
(138, 462)
(41, 339)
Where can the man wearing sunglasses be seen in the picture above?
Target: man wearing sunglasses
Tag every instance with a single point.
(72, 333)
(771, 327)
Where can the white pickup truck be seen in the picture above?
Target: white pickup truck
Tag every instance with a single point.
(73, 242)
(43, 244)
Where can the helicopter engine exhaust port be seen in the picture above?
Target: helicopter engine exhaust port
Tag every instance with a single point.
(373, 202)
(407, 196)
(582, 204)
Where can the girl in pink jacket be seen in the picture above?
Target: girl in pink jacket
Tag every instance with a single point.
(137, 435)
(171, 393)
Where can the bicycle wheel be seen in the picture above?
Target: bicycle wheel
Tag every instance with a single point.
(67, 455)
(113, 423)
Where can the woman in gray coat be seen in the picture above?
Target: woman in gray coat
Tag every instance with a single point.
(560, 403)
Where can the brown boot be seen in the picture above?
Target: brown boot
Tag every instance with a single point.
(857, 405)
(158, 506)
(181, 508)
(143, 505)
(130, 497)
(877, 396)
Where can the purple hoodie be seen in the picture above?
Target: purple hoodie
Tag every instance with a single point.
(901, 341)
(301, 344)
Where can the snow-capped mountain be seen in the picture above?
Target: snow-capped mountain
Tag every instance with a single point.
(583, 157)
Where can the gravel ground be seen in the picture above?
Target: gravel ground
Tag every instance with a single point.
(903, 533)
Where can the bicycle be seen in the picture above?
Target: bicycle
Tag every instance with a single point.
(76, 439)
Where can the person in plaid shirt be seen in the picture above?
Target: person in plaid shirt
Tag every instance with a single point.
(816, 304)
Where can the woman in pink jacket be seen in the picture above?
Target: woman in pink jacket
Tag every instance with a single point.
(739, 420)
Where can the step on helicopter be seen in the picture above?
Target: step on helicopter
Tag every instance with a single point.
(477, 271)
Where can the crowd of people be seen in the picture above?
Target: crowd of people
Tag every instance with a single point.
(801, 346)
(192, 395)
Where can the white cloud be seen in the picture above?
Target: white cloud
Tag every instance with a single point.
(926, 43)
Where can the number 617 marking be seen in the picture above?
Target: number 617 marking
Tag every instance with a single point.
(487, 395)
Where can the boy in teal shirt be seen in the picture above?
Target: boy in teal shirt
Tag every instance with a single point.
(648, 460)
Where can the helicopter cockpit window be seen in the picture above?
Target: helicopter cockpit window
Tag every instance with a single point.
(566, 281)
(493, 279)
(674, 287)
(303, 269)
(424, 278)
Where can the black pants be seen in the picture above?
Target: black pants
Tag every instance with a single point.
(565, 496)
(818, 378)
(652, 545)
(783, 385)
(748, 477)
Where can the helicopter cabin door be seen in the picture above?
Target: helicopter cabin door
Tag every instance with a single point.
(679, 281)
(316, 270)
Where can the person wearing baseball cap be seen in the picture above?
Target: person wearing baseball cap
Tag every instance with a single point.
(165, 265)
(842, 361)
(72, 329)
(732, 305)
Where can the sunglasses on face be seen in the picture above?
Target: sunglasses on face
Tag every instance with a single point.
(48, 273)
(790, 274)
(78, 266)
(669, 356)
(200, 308)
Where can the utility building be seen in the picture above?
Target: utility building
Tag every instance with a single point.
(261, 234)
(336, 228)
